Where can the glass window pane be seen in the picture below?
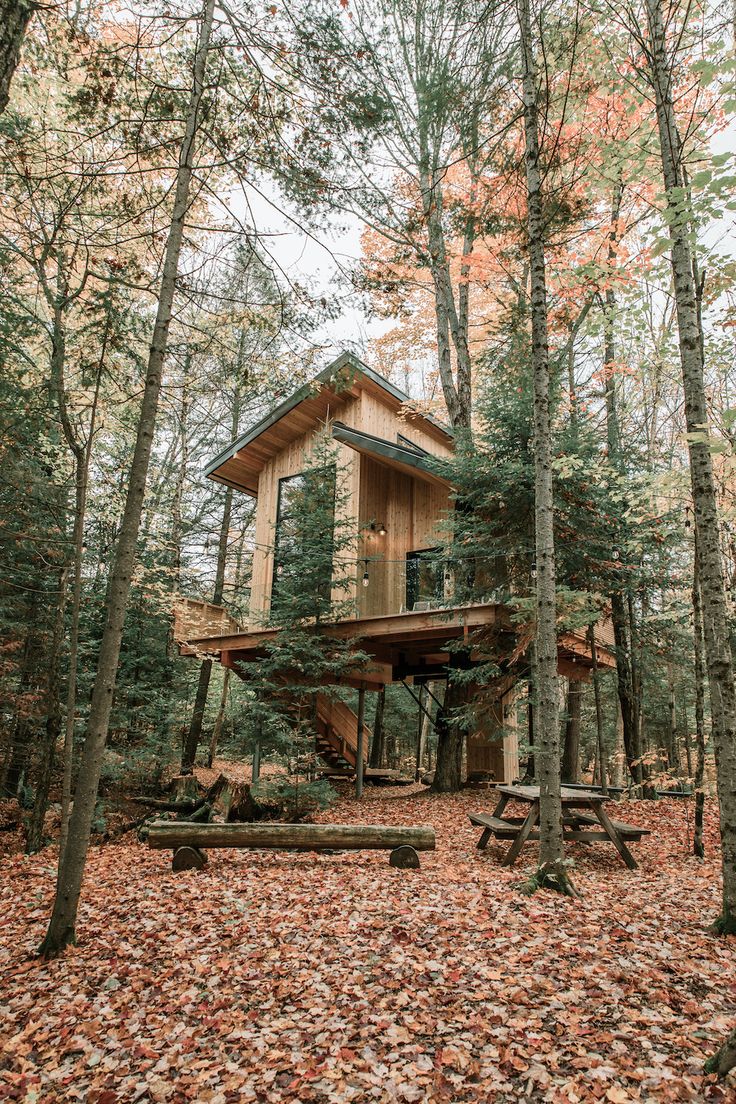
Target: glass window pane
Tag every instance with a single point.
(305, 522)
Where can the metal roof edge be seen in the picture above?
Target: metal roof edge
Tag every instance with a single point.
(382, 447)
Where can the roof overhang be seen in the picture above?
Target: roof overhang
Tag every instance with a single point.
(240, 464)
(397, 457)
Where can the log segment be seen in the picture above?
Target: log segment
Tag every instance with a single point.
(310, 837)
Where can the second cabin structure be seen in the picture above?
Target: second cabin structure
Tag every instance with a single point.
(402, 611)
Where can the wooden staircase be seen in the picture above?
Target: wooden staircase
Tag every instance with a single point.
(337, 734)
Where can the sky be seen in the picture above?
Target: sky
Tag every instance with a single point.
(319, 259)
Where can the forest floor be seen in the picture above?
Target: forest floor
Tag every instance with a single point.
(333, 978)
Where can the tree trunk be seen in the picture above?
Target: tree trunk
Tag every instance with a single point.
(425, 724)
(617, 778)
(529, 773)
(547, 735)
(571, 752)
(61, 930)
(34, 840)
(219, 719)
(699, 657)
(15, 16)
(22, 727)
(673, 752)
(82, 453)
(376, 757)
(619, 610)
(450, 734)
(601, 751)
(725, 1059)
(189, 752)
(710, 568)
(191, 743)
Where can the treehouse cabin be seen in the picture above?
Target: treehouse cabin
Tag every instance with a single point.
(395, 596)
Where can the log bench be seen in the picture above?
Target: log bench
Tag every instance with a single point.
(187, 840)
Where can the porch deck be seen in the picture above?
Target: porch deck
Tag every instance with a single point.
(414, 644)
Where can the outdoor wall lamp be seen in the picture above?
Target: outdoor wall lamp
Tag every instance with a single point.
(378, 527)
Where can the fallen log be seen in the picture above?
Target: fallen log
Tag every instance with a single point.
(187, 805)
(307, 837)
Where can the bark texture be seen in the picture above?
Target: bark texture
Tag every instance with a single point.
(450, 735)
(375, 759)
(171, 833)
(219, 719)
(625, 673)
(62, 927)
(725, 1059)
(571, 750)
(189, 752)
(699, 664)
(716, 634)
(546, 735)
(34, 839)
(15, 15)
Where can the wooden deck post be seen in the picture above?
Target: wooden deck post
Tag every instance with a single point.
(359, 745)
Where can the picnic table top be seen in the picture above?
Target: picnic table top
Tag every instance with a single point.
(569, 797)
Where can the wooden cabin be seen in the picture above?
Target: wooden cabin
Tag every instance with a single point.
(395, 496)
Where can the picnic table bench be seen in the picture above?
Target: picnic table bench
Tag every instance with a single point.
(576, 823)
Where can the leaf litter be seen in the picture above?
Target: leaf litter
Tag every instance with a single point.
(280, 976)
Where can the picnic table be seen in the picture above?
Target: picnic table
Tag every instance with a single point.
(577, 823)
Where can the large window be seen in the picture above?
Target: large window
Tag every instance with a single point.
(424, 578)
(303, 546)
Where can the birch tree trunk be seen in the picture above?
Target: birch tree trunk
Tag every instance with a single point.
(62, 927)
(700, 675)
(547, 729)
(712, 587)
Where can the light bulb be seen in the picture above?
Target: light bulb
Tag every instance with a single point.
(366, 578)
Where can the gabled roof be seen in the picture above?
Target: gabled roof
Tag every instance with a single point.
(240, 463)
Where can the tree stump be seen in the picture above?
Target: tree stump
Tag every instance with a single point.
(404, 858)
(188, 858)
(185, 787)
